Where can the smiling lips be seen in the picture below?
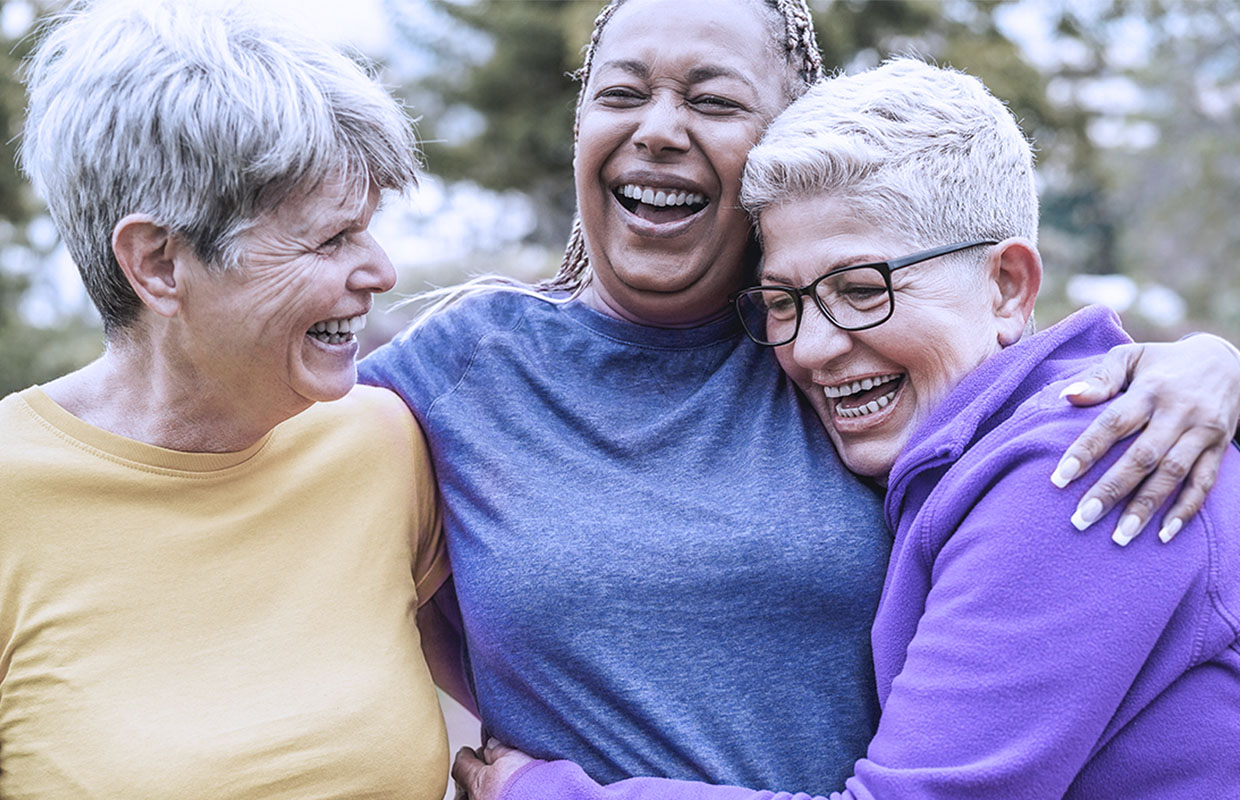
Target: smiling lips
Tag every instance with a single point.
(865, 396)
(660, 204)
(337, 331)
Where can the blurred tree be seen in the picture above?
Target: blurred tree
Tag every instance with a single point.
(500, 111)
(514, 88)
(28, 353)
(1166, 79)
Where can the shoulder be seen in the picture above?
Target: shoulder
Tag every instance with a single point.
(466, 320)
(369, 421)
(431, 355)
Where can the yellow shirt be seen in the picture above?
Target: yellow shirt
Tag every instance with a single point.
(241, 625)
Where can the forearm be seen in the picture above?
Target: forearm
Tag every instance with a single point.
(564, 780)
(443, 645)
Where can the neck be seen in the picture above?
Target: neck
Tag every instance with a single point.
(596, 297)
(135, 394)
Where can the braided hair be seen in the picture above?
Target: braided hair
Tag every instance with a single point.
(793, 27)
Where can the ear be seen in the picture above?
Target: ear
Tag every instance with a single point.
(1015, 267)
(145, 252)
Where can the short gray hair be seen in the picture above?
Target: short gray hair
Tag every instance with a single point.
(203, 116)
(919, 150)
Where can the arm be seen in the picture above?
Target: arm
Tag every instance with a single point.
(507, 774)
(1029, 641)
(443, 645)
(1184, 398)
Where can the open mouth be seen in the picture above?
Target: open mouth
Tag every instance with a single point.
(337, 331)
(864, 397)
(655, 204)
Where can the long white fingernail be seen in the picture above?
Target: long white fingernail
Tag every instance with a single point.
(1067, 470)
(1170, 529)
(1127, 530)
(1074, 388)
(1087, 513)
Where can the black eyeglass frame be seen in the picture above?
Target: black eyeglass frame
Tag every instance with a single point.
(885, 268)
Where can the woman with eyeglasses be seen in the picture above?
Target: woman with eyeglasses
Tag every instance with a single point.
(658, 557)
(1015, 657)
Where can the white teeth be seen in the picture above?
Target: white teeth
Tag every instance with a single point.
(856, 387)
(863, 385)
(660, 197)
(339, 327)
(868, 408)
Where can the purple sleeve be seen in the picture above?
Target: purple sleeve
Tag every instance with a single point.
(564, 780)
(1030, 638)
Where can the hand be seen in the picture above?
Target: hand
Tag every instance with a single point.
(1184, 397)
(483, 778)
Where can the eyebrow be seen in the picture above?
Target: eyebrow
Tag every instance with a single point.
(699, 74)
(780, 280)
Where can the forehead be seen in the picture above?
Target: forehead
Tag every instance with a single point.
(806, 237)
(732, 36)
(327, 203)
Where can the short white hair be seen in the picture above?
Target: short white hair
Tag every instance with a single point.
(922, 151)
(204, 116)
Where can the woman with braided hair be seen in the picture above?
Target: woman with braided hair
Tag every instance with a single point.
(662, 567)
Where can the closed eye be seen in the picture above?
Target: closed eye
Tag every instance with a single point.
(620, 96)
(712, 103)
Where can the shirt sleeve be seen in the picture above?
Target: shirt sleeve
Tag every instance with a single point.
(430, 554)
(564, 780)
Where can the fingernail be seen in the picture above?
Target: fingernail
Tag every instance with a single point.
(1087, 513)
(1067, 470)
(1170, 529)
(1074, 388)
(1127, 530)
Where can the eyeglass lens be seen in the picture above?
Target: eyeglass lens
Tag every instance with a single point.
(854, 298)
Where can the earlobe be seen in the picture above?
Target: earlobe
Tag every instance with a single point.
(1015, 266)
(144, 251)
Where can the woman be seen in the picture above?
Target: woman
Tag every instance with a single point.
(1015, 658)
(203, 593)
(659, 559)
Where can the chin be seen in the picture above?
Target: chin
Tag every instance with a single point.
(867, 461)
(327, 389)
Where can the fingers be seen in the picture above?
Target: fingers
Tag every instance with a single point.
(1117, 421)
(467, 772)
(1151, 475)
(1105, 379)
(494, 749)
(1191, 497)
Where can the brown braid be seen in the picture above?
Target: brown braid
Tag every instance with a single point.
(800, 46)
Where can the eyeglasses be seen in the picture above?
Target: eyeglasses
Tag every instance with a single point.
(853, 298)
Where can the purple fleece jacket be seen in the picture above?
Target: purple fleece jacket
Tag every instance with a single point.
(1017, 657)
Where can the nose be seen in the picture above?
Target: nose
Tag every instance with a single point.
(818, 341)
(662, 127)
(373, 271)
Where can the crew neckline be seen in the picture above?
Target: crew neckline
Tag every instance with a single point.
(725, 327)
(121, 448)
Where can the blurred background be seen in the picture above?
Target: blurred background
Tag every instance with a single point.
(1133, 106)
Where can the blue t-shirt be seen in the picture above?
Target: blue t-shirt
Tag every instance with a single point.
(662, 567)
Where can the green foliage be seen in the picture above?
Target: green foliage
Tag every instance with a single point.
(526, 94)
(28, 354)
(15, 202)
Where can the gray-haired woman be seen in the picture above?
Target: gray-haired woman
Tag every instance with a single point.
(207, 589)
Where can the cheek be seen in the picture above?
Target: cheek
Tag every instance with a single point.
(799, 375)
